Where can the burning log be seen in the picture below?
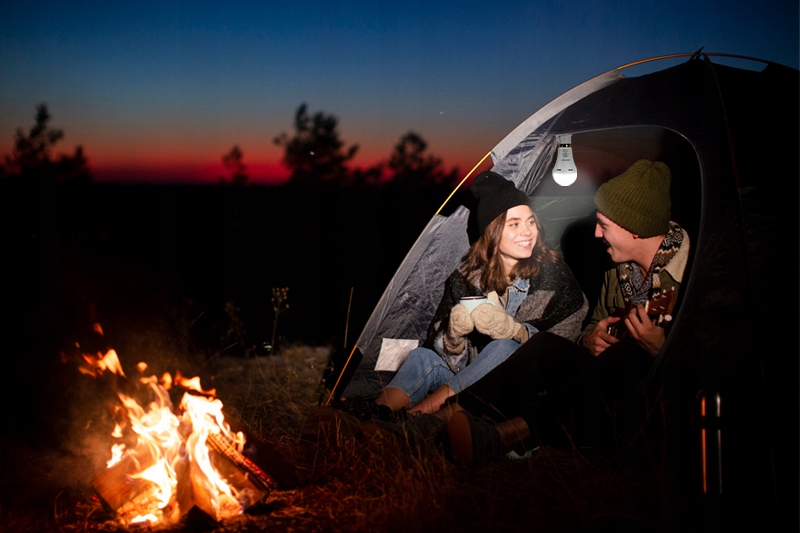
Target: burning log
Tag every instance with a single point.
(180, 463)
(168, 466)
(125, 491)
(117, 485)
(254, 474)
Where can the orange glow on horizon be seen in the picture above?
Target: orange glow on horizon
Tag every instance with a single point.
(184, 168)
(186, 173)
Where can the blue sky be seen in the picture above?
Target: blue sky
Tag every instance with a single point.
(154, 89)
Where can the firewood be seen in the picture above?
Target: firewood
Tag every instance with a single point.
(116, 487)
(265, 456)
(261, 479)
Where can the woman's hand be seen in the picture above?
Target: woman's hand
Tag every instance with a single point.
(460, 321)
(492, 320)
(460, 325)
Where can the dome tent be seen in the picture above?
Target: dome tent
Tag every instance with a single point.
(730, 137)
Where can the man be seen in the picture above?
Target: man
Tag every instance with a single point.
(550, 384)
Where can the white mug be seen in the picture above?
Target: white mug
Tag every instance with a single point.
(471, 302)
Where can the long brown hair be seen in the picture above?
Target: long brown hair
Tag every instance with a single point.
(483, 266)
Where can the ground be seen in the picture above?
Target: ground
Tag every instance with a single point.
(341, 483)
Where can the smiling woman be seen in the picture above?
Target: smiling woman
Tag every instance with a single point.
(520, 234)
(528, 289)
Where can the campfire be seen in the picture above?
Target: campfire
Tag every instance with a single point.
(166, 463)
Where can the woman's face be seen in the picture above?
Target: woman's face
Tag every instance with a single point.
(519, 236)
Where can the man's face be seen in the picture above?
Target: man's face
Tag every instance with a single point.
(620, 241)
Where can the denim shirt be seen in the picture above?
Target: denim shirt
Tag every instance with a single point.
(517, 292)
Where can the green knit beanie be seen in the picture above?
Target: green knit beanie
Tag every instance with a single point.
(638, 199)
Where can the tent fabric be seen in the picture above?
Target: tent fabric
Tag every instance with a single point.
(407, 306)
(408, 303)
(514, 140)
(730, 136)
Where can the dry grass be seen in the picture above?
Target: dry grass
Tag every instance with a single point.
(344, 484)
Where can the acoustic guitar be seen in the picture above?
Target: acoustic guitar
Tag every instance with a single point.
(659, 309)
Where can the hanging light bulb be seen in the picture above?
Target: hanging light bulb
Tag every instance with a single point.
(564, 171)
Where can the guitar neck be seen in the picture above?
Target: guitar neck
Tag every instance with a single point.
(659, 308)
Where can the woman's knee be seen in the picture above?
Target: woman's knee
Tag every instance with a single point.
(424, 365)
(422, 358)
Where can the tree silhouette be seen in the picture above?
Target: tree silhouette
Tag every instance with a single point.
(316, 153)
(32, 154)
(361, 177)
(233, 162)
(410, 166)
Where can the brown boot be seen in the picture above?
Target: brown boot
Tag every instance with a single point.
(472, 440)
(417, 431)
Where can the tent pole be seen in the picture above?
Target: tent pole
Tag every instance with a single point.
(695, 54)
(333, 390)
(347, 320)
(463, 180)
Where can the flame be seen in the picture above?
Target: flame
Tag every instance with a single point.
(96, 364)
(170, 455)
(161, 465)
(116, 453)
(193, 384)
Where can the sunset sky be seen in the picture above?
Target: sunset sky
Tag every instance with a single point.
(160, 91)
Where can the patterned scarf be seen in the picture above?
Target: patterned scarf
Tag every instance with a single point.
(636, 290)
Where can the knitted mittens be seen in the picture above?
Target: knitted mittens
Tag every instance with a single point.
(492, 320)
(455, 338)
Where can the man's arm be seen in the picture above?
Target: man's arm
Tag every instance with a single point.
(598, 339)
(594, 335)
(644, 330)
(649, 336)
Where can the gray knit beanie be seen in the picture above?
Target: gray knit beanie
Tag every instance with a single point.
(495, 195)
(638, 199)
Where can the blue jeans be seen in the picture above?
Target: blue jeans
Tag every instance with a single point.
(424, 370)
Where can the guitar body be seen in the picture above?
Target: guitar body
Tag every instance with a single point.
(659, 309)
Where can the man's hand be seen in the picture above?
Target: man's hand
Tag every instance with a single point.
(599, 339)
(646, 333)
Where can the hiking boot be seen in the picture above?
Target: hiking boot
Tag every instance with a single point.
(329, 422)
(473, 441)
(366, 409)
(416, 430)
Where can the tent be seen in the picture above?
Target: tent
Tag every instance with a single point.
(728, 128)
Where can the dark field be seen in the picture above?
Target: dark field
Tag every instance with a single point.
(338, 483)
(182, 279)
(112, 250)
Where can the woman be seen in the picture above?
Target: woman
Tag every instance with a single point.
(529, 288)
